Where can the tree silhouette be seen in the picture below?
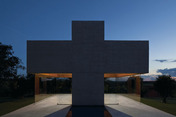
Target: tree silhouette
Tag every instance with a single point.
(165, 85)
(8, 62)
(9, 80)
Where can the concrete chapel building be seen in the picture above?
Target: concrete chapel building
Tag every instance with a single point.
(87, 59)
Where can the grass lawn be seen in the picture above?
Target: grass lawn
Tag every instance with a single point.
(169, 107)
(6, 107)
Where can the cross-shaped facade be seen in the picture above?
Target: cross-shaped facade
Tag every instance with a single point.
(87, 59)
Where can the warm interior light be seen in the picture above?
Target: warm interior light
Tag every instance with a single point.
(69, 75)
(117, 75)
(49, 75)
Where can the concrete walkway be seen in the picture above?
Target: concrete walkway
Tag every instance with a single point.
(46, 107)
(59, 105)
(130, 108)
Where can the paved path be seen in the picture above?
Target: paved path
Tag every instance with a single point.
(126, 107)
(130, 108)
(47, 107)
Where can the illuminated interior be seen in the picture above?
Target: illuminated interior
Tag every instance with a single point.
(47, 75)
(117, 75)
(46, 81)
(69, 75)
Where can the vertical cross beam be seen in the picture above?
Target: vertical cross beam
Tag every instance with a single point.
(88, 60)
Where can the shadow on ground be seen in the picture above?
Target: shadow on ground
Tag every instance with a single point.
(60, 113)
(89, 111)
(117, 113)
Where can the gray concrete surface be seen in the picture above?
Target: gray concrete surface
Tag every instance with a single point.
(126, 108)
(88, 89)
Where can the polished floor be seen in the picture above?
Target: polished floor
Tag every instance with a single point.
(58, 105)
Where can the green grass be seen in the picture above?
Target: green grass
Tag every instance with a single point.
(169, 107)
(6, 107)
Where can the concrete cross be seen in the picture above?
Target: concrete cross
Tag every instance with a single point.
(88, 57)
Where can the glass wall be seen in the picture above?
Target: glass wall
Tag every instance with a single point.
(117, 88)
(57, 88)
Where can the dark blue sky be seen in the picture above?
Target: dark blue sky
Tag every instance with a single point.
(153, 20)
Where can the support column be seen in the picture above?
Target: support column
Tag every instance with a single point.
(88, 89)
(138, 85)
(37, 84)
(45, 86)
(129, 86)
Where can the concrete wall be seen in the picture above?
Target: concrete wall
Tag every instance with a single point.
(49, 56)
(108, 57)
(88, 89)
(87, 53)
(88, 63)
(126, 56)
(87, 57)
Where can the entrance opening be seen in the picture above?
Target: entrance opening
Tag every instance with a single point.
(56, 86)
(118, 86)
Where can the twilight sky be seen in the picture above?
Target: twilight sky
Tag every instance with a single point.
(153, 20)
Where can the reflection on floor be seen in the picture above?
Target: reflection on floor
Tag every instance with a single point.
(67, 98)
(133, 96)
(58, 98)
(42, 96)
(54, 106)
